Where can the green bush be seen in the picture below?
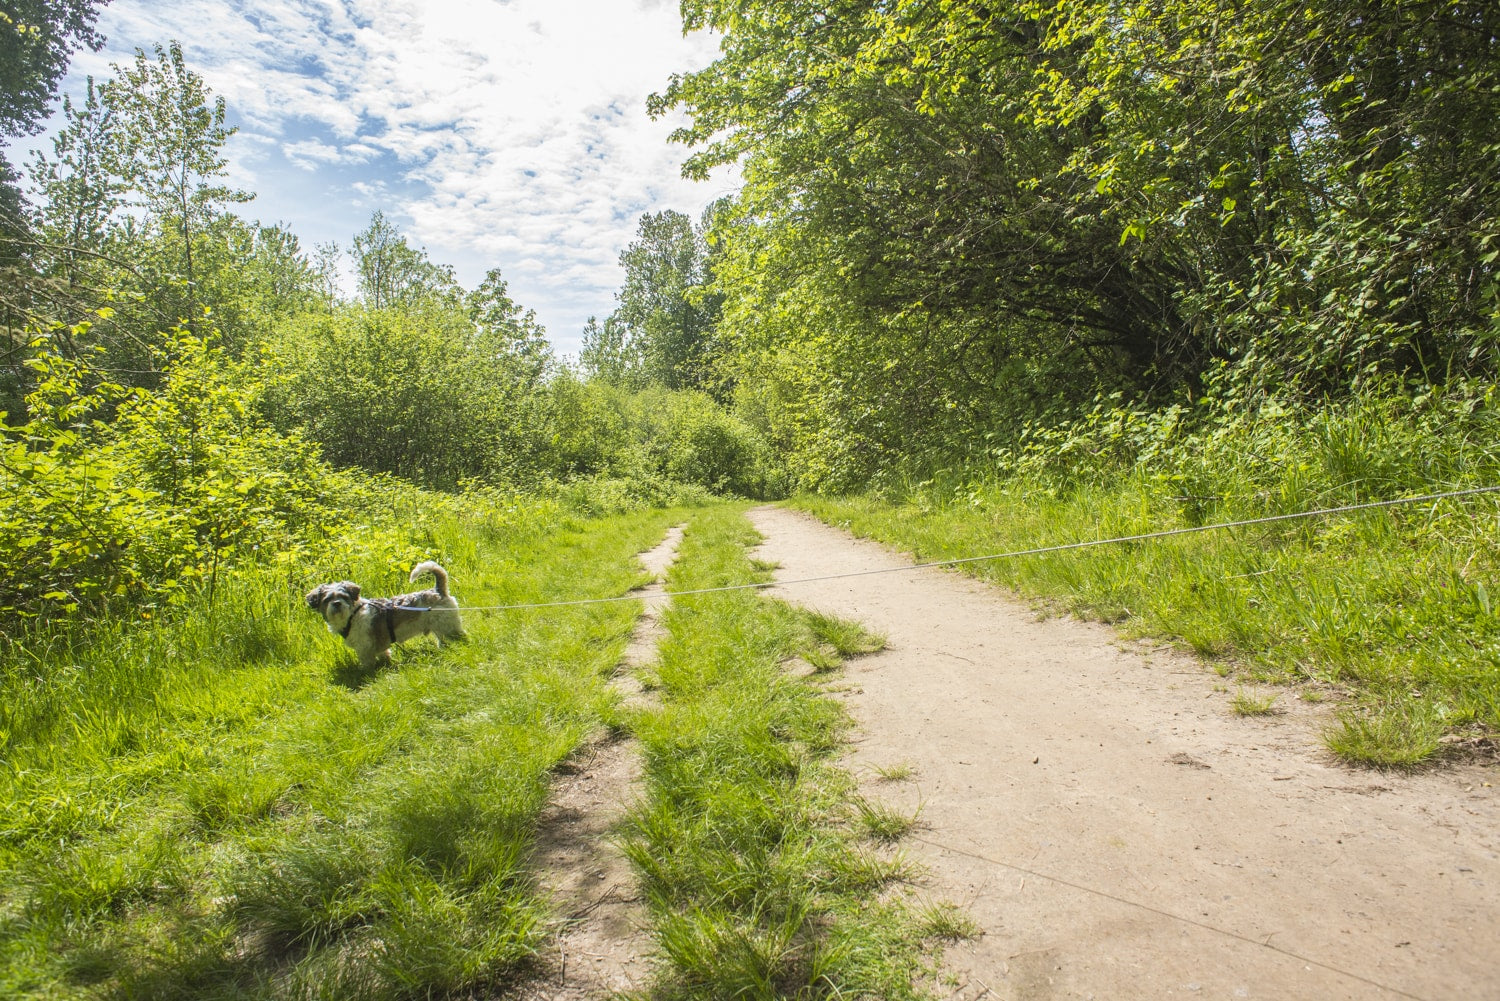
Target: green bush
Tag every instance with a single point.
(1276, 457)
(127, 497)
(590, 429)
(657, 435)
(715, 449)
(414, 393)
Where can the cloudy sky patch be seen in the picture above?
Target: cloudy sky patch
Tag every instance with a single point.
(496, 134)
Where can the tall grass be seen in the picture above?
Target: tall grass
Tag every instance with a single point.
(221, 804)
(1391, 608)
(760, 879)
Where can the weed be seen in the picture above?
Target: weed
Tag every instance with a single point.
(846, 637)
(1250, 704)
(947, 921)
(1388, 735)
(822, 659)
(881, 822)
(899, 772)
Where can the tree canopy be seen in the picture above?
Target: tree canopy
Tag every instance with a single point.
(957, 215)
(37, 41)
(663, 331)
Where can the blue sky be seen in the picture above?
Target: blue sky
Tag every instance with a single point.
(496, 133)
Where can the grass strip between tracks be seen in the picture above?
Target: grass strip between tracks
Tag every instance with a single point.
(765, 872)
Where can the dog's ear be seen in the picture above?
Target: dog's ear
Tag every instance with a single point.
(351, 589)
(315, 597)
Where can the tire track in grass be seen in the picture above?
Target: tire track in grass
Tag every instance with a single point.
(601, 949)
(757, 876)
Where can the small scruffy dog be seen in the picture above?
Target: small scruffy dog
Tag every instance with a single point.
(371, 625)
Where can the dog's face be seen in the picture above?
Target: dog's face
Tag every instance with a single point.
(335, 602)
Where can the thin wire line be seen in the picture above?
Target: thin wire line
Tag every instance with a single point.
(1165, 533)
(1174, 917)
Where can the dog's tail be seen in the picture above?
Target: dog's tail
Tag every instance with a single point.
(427, 566)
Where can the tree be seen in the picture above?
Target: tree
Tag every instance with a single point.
(392, 274)
(958, 217)
(508, 331)
(171, 144)
(605, 354)
(57, 267)
(80, 185)
(666, 311)
(37, 40)
(325, 264)
(253, 277)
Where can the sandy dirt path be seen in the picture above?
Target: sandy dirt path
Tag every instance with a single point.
(1118, 833)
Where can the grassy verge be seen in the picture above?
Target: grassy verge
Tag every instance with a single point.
(1389, 610)
(763, 879)
(222, 805)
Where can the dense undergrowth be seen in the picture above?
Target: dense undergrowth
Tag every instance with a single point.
(1392, 611)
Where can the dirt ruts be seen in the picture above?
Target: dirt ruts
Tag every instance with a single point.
(603, 948)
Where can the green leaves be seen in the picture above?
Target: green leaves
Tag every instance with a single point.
(420, 393)
(182, 483)
(663, 332)
(394, 275)
(1088, 193)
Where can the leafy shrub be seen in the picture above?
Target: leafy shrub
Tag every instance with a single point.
(180, 484)
(415, 393)
(1276, 457)
(716, 450)
(657, 436)
(590, 429)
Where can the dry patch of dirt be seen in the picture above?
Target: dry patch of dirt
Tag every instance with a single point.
(1118, 832)
(602, 948)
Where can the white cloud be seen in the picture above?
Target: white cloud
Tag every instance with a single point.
(310, 153)
(522, 124)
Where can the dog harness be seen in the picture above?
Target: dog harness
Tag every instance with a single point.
(386, 612)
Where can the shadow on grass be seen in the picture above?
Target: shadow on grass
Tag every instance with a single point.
(352, 675)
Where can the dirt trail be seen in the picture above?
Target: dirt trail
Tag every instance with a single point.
(1118, 833)
(603, 949)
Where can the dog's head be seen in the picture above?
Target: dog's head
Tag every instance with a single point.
(335, 602)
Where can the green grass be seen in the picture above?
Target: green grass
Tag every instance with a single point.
(1252, 704)
(218, 803)
(1391, 736)
(759, 876)
(899, 772)
(880, 822)
(946, 921)
(221, 804)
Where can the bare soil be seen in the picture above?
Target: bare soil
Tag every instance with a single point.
(603, 947)
(1118, 832)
